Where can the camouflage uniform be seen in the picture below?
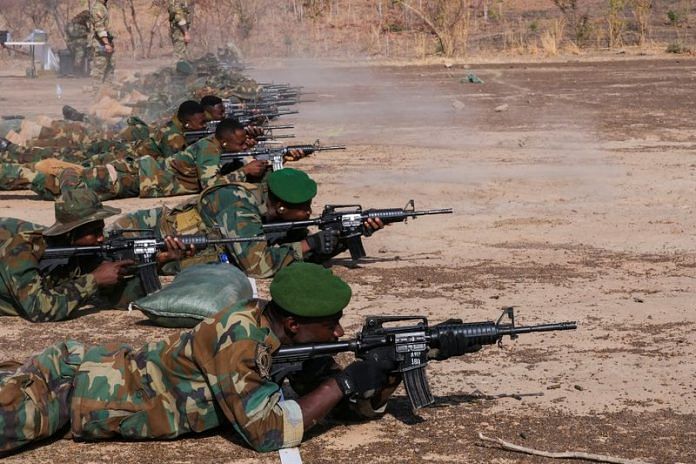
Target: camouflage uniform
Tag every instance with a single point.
(77, 33)
(180, 16)
(21, 177)
(190, 171)
(166, 141)
(233, 210)
(214, 375)
(102, 62)
(24, 289)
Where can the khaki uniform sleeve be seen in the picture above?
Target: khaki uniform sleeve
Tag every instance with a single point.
(99, 16)
(177, 13)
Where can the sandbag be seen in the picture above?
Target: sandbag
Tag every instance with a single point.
(196, 293)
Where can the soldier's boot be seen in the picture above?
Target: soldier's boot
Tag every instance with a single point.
(71, 114)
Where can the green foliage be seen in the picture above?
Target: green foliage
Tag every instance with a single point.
(678, 48)
(534, 27)
(674, 17)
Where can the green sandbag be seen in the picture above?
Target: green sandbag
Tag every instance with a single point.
(196, 293)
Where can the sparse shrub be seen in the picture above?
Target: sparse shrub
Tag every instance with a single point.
(674, 17)
(678, 48)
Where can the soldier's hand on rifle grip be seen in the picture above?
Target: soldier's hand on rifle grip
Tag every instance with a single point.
(324, 242)
(362, 379)
(372, 225)
(255, 168)
(111, 272)
(176, 250)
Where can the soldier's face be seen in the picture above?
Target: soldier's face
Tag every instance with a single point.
(89, 234)
(290, 212)
(320, 331)
(217, 112)
(196, 122)
(235, 142)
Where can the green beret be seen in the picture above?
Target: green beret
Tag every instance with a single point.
(309, 290)
(292, 186)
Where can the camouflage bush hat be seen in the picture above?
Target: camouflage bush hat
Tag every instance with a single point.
(292, 186)
(309, 290)
(75, 208)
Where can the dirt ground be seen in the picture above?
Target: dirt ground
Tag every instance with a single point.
(572, 185)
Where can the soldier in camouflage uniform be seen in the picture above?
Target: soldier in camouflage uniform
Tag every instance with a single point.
(77, 34)
(241, 210)
(180, 16)
(198, 167)
(45, 291)
(28, 290)
(102, 43)
(214, 108)
(170, 138)
(217, 374)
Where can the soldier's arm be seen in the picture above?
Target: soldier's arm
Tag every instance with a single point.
(247, 396)
(242, 219)
(177, 15)
(100, 17)
(34, 296)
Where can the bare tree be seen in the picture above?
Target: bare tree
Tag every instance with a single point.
(642, 12)
(447, 19)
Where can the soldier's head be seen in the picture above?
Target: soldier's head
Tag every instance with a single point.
(231, 135)
(214, 108)
(290, 194)
(192, 115)
(79, 218)
(307, 303)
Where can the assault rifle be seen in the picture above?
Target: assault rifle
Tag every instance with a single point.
(194, 136)
(411, 344)
(142, 248)
(275, 155)
(348, 221)
(253, 115)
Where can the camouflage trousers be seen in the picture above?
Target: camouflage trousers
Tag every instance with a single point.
(178, 42)
(21, 177)
(117, 179)
(103, 66)
(35, 396)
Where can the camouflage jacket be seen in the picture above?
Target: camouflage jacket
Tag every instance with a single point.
(216, 374)
(27, 291)
(199, 164)
(99, 21)
(179, 12)
(166, 141)
(233, 210)
(239, 210)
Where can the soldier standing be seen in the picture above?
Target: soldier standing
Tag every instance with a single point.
(77, 38)
(103, 43)
(180, 16)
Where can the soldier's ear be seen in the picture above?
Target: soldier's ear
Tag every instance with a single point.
(291, 325)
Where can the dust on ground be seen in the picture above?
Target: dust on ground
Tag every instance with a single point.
(572, 185)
